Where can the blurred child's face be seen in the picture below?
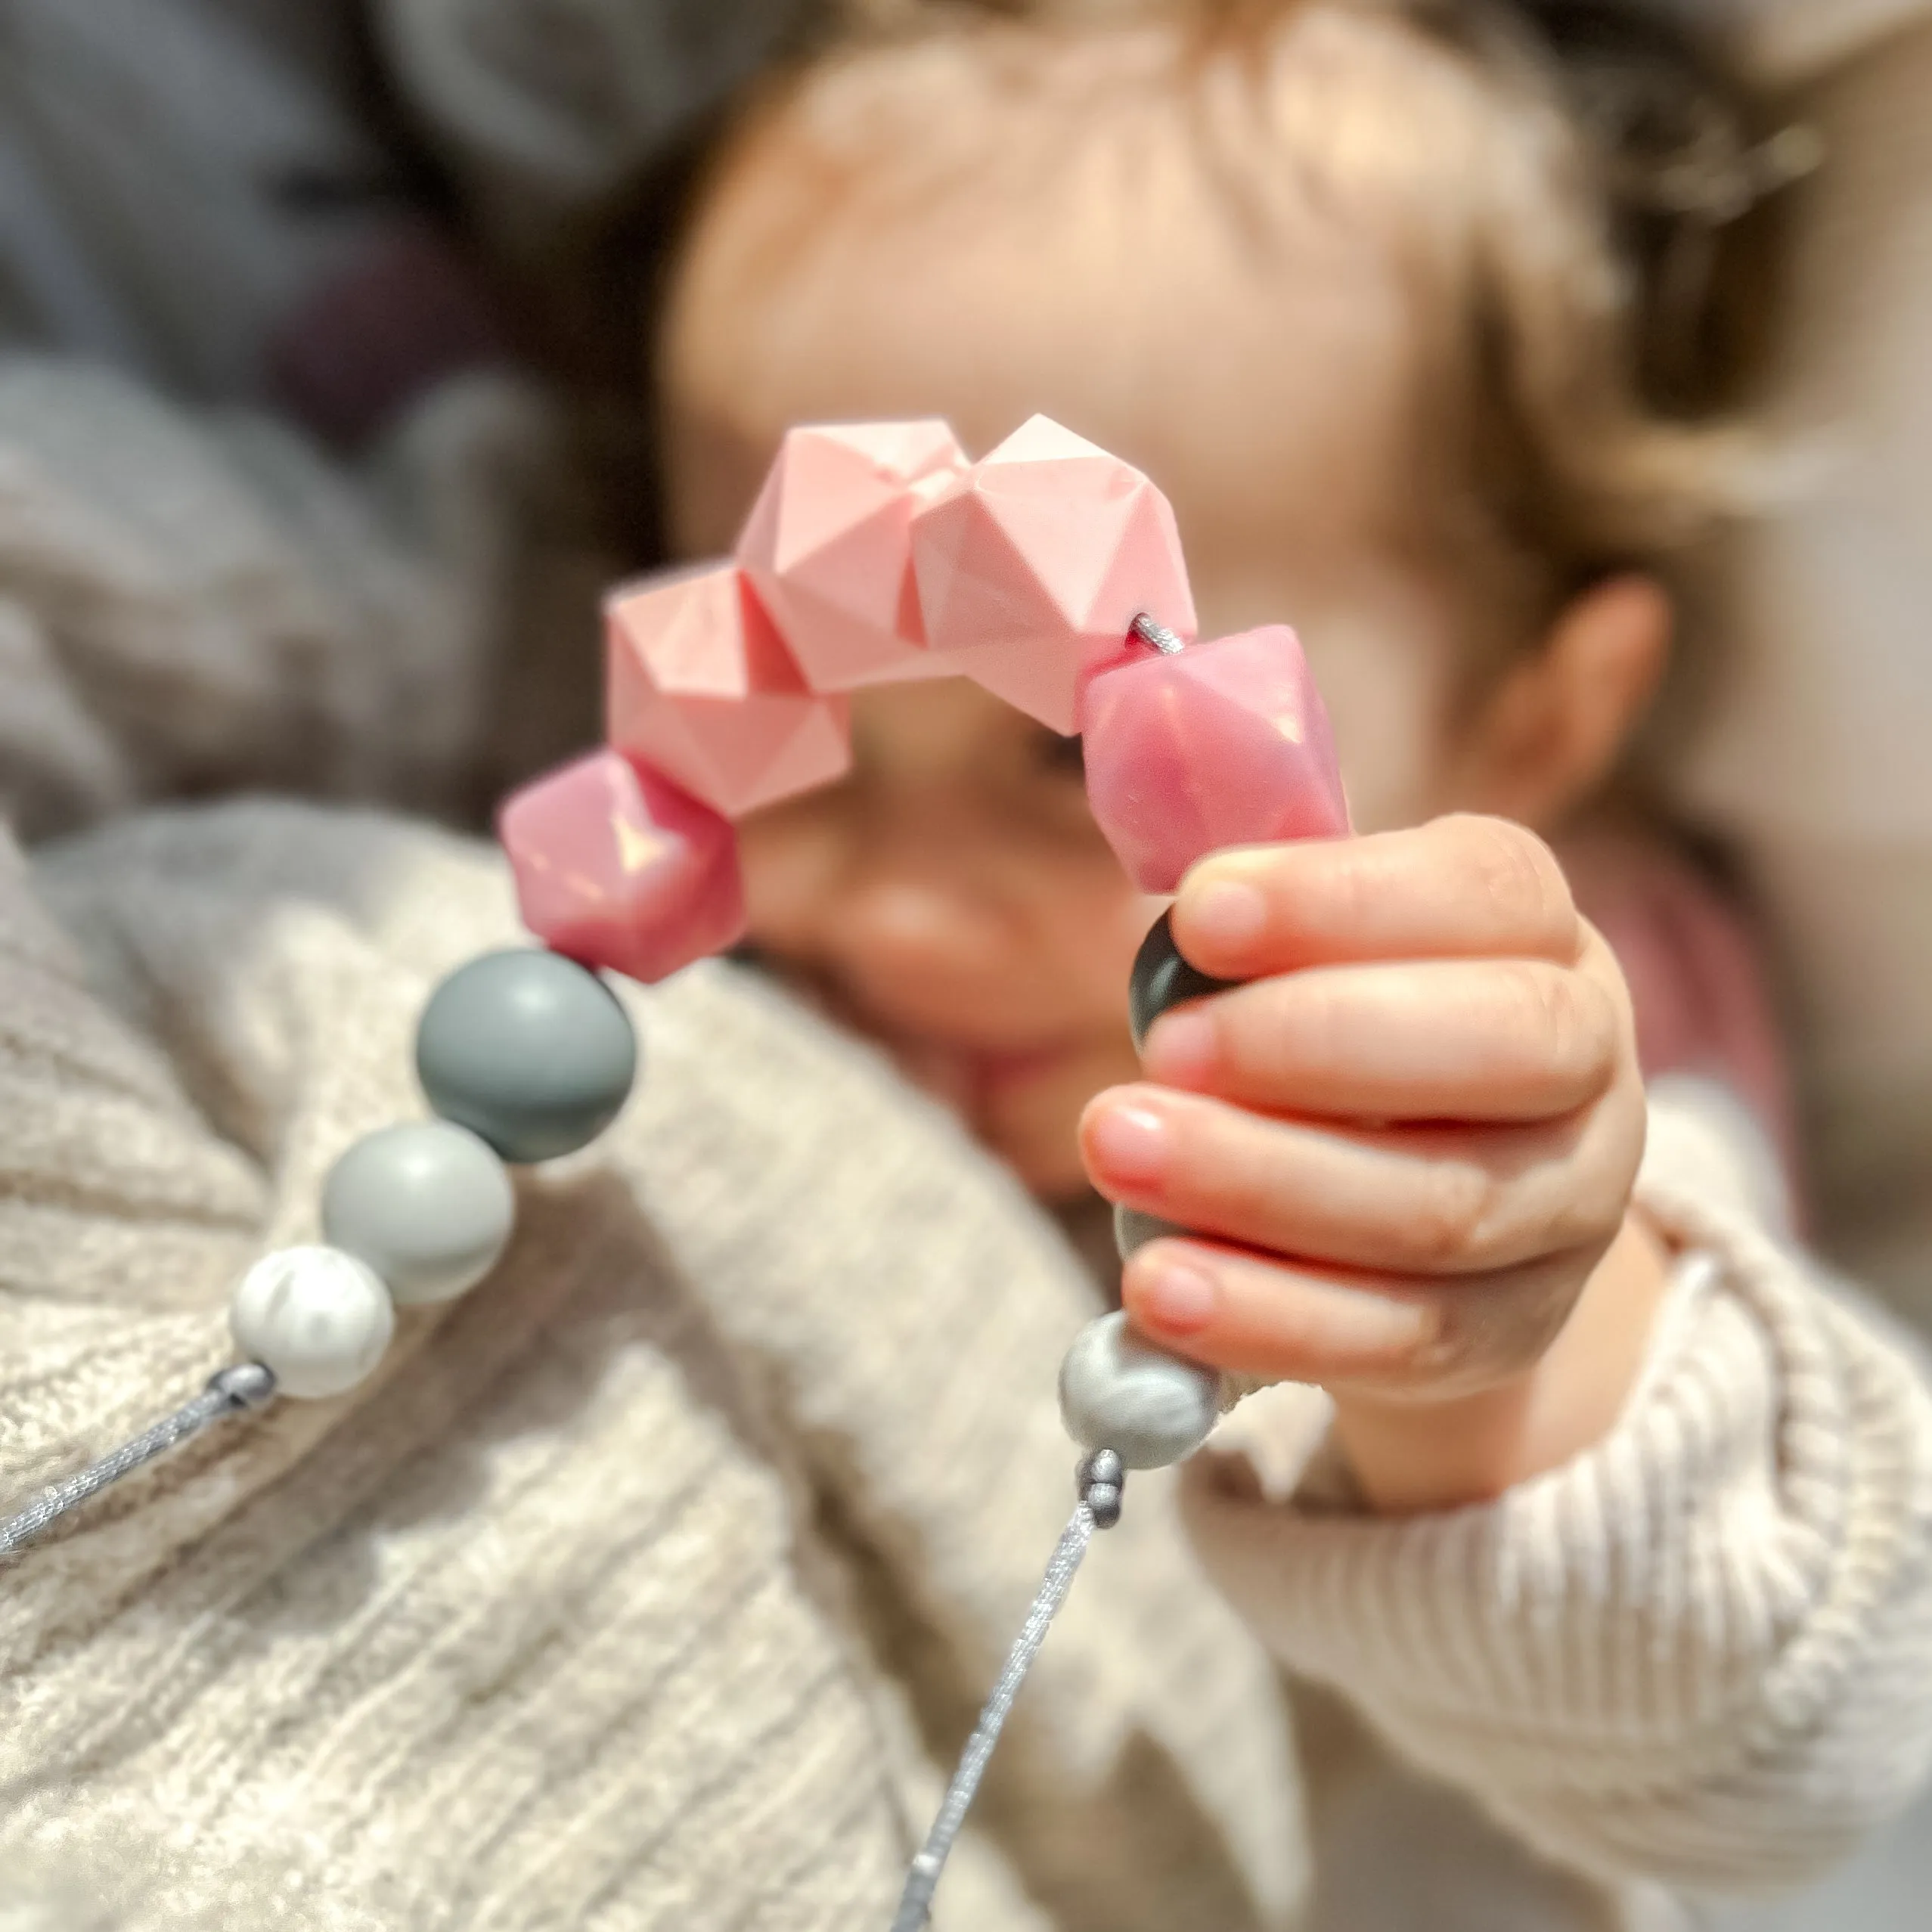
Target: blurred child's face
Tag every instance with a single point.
(953, 898)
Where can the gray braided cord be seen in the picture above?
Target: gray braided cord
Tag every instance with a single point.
(1150, 632)
(922, 1879)
(246, 1386)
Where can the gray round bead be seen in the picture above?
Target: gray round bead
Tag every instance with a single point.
(1133, 1229)
(528, 1050)
(1118, 1391)
(426, 1204)
(1104, 1500)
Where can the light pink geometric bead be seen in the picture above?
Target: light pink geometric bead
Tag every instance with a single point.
(1034, 564)
(616, 867)
(827, 546)
(702, 689)
(1225, 743)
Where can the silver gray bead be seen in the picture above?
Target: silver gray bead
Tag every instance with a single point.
(1104, 1465)
(426, 1204)
(528, 1050)
(1133, 1229)
(1118, 1391)
(1103, 1499)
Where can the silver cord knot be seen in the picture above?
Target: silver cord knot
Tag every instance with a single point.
(246, 1385)
(1101, 1480)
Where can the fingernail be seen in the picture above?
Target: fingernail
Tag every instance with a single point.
(1130, 1143)
(1172, 1297)
(1225, 912)
(1182, 1049)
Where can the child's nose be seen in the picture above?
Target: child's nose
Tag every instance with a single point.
(918, 918)
(907, 920)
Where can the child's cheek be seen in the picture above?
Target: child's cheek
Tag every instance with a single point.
(1387, 676)
(791, 856)
(1097, 934)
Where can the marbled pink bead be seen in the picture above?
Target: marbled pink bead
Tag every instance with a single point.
(702, 688)
(828, 548)
(1224, 743)
(1032, 566)
(616, 867)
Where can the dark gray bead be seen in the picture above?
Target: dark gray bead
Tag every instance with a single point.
(1104, 1500)
(1118, 1391)
(1161, 979)
(1134, 1229)
(528, 1050)
(426, 1204)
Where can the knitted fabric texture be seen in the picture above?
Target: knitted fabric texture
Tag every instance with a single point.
(1696, 1661)
(652, 1584)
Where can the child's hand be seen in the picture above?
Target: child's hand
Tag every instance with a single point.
(1411, 1142)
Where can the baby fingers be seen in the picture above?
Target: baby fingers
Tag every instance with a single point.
(1257, 1315)
(1458, 887)
(1425, 1199)
(1446, 1040)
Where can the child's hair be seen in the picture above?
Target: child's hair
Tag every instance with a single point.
(1564, 181)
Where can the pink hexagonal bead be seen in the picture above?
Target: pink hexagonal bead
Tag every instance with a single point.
(828, 547)
(1034, 563)
(701, 688)
(1225, 743)
(616, 867)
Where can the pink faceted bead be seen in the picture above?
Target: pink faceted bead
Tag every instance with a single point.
(702, 689)
(616, 868)
(828, 547)
(1034, 563)
(1225, 743)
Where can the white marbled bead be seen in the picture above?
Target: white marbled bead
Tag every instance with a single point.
(318, 1319)
(426, 1204)
(1118, 1391)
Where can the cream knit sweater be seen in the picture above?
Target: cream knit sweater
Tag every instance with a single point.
(634, 1590)
(651, 1585)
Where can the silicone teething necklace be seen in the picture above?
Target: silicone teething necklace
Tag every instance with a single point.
(1050, 572)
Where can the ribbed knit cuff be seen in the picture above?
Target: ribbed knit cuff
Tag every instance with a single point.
(1702, 1650)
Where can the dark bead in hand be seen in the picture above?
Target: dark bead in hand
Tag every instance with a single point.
(1162, 978)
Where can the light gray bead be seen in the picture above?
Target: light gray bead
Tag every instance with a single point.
(318, 1320)
(426, 1205)
(528, 1050)
(1133, 1229)
(1118, 1391)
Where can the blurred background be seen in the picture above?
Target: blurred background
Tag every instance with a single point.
(320, 340)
